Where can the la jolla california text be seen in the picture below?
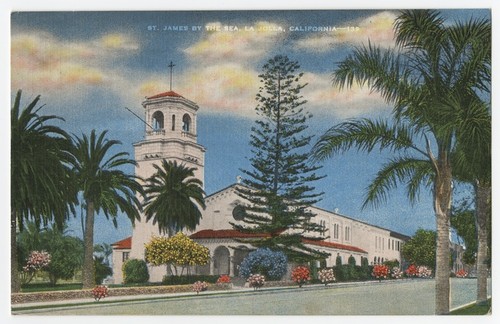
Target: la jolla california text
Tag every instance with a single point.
(232, 28)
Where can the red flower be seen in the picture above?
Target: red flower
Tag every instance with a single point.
(301, 275)
(380, 271)
(100, 292)
(412, 271)
(224, 279)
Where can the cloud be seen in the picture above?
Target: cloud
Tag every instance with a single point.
(322, 97)
(378, 29)
(117, 41)
(42, 63)
(218, 88)
(240, 46)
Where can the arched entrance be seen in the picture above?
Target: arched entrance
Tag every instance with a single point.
(221, 261)
(240, 253)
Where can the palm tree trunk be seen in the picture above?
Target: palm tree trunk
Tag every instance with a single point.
(442, 203)
(15, 283)
(483, 196)
(88, 280)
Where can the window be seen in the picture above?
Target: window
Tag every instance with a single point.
(322, 223)
(376, 241)
(336, 231)
(347, 233)
(393, 245)
(173, 122)
(388, 244)
(186, 123)
(125, 256)
(239, 213)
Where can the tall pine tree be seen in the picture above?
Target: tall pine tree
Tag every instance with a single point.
(278, 187)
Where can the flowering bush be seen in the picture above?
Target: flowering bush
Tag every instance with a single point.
(272, 264)
(200, 286)
(461, 273)
(301, 275)
(37, 260)
(396, 273)
(256, 281)
(224, 279)
(178, 250)
(424, 272)
(100, 292)
(380, 271)
(412, 271)
(326, 276)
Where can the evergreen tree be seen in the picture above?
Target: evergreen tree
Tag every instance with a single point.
(278, 187)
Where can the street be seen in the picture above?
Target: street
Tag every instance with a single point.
(402, 297)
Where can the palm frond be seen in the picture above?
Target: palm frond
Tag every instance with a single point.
(364, 135)
(413, 172)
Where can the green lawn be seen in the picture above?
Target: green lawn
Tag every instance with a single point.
(474, 310)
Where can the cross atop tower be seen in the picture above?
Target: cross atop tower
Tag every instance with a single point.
(171, 66)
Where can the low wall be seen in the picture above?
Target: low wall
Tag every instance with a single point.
(34, 297)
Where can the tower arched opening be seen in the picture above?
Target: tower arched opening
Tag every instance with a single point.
(158, 120)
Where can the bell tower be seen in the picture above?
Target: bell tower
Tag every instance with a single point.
(171, 134)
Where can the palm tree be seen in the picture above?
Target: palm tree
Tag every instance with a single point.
(40, 180)
(472, 164)
(434, 68)
(104, 187)
(104, 250)
(174, 197)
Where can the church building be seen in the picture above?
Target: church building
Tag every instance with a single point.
(171, 134)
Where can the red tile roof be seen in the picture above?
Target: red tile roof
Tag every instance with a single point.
(212, 234)
(334, 245)
(166, 94)
(229, 233)
(123, 244)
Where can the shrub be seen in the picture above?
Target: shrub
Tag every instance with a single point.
(256, 281)
(224, 279)
(326, 276)
(178, 250)
(411, 271)
(188, 280)
(364, 262)
(264, 261)
(424, 272)
(301, 275)
(338, 261)
(380, 271)
(37, 260)
(102, 270)
(392, 263)
(351, 261)
(100, 292)
(200, 286)
(396, 273)
(135, 271)
(348, 272)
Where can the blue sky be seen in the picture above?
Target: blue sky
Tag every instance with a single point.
(88, 66)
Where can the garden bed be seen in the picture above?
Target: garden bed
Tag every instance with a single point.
(19, 298)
